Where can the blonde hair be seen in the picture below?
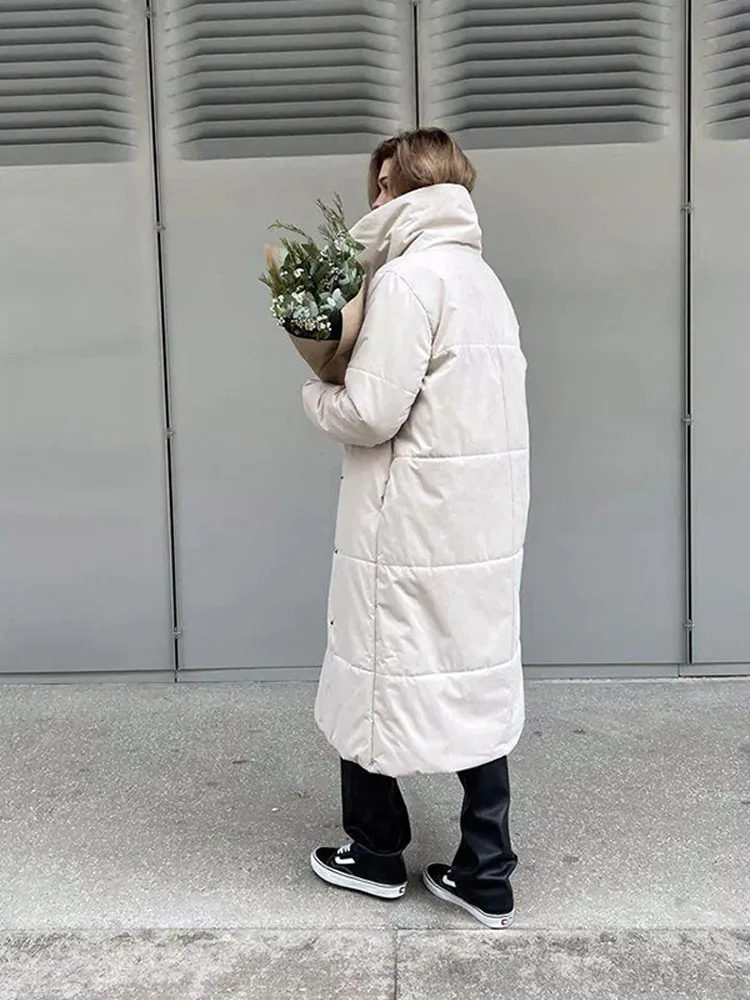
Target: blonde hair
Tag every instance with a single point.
(420, 158)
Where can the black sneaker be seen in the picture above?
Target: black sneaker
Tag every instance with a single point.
(352, 868)
(438, 880)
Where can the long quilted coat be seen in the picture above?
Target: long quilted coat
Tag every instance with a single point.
(423, 668)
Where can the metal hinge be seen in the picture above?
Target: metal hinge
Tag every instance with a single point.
(688, 208)
(177, 633)
(160, 227)
(169, 432)
(149, 10)
(689, 625)
(688, 420)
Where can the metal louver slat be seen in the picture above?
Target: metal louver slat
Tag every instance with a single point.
(727, 34)
(250, 78)
(65, 82)
(516, 73)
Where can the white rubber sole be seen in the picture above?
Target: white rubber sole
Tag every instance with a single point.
(497, 922)
(345, 881)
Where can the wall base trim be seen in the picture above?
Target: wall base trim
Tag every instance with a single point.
(532, 672)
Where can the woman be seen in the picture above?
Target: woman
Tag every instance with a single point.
(423, 669)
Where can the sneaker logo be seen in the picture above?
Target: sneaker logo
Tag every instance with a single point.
(449, 882)
(344, 861)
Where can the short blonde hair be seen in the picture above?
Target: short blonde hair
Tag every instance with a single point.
(420, 158)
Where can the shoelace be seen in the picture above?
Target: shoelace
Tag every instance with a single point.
(346, 849)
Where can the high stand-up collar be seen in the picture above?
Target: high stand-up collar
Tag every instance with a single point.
(440, 215)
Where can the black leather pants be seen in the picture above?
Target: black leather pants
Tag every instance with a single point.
(376, 819)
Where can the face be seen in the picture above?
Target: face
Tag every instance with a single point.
(385, 194)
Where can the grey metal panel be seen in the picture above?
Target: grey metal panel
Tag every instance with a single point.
(500, 73)
(286, 77)
(255, 485)
(66, 72)
(83, 552)
(724, 68)
(587, 241)
(721, 368)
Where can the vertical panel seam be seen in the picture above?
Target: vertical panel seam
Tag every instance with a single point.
(417, 83)
(163, 323)
(688, 207)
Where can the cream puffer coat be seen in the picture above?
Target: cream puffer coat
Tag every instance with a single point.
(423, 669)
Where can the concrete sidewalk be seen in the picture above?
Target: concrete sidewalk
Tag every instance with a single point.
(154, 843)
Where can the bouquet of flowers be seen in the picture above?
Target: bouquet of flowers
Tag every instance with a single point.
(317, 292)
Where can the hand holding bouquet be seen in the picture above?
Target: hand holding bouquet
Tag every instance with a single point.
(317, 292)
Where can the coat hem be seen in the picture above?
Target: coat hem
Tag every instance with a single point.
(456, 766)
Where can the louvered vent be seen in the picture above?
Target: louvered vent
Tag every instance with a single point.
(546, 72)
(65, 79)
(281, 77)
(727, 35)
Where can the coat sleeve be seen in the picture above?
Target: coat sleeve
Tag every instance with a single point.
(385, 375)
